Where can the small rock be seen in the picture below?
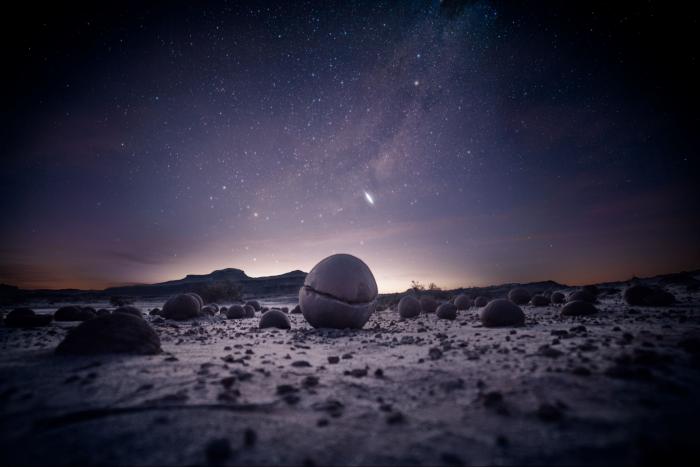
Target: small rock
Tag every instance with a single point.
(275, 319)
(578, 308)
(447, 311)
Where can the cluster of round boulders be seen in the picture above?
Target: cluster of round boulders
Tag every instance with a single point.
(539, 300)
(519, 296)
(74, 313)
(255, 304)
(481, 301)
(181, 307)
(235, 312)
(428, 304)
(26, 318)
(578, 308)
(462, 302)
(502, 312)
(275, 319)
(409, 307)
(643, 295)
(447, 311)
(581, 295)
(197, 297)
(557, 297)
(113, 333)
(339, 292)
(130, 310)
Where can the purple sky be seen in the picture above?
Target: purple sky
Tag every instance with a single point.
(498, 144)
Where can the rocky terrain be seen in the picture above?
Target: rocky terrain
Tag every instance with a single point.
(616, 387)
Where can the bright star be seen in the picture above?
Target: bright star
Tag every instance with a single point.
(369, 198)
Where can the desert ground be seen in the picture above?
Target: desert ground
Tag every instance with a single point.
(618, 387)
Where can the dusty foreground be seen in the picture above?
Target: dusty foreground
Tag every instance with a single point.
(621, 387)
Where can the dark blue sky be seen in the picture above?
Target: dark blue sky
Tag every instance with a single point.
(497, 142)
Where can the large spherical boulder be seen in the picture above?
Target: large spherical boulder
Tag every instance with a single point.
(409, 307)
(235, 312)
(519, 296)
(26, 318)
(502, 312)
(255, 304)
(539, 300)
(339, 292)
(73, 313)
(275, 319)
(642, 295)
(581, 295)
(181, 307)
(197, 297)
(447, 311)
(481, 301)
(114, 333)
(462, 302)
(428, 304)
(131, 310)
(578, 308)
(557, 297)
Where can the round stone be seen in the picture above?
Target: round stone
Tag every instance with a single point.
(463, 302)
(447, 311)
(248, 311)
(582, 295)
(255, 304)
(26, 318)
(502, 312)
(428, 304)
(235, 312)
(131, 310)
(409, 307)
(113, 333)
(642, 295)
(578, 308)
(539, 300)
(181, 307)
(557, 297)
(481, 301)
(73, 313)
(275, 319)
(519, 296)
(197, 297)
(339, 292)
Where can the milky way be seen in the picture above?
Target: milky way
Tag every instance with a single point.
(461, 144)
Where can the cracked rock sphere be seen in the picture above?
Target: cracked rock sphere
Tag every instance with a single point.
(340, 292)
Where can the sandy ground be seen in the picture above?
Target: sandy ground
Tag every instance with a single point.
(620, 387)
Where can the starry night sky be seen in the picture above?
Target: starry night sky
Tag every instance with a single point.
(461, 143)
